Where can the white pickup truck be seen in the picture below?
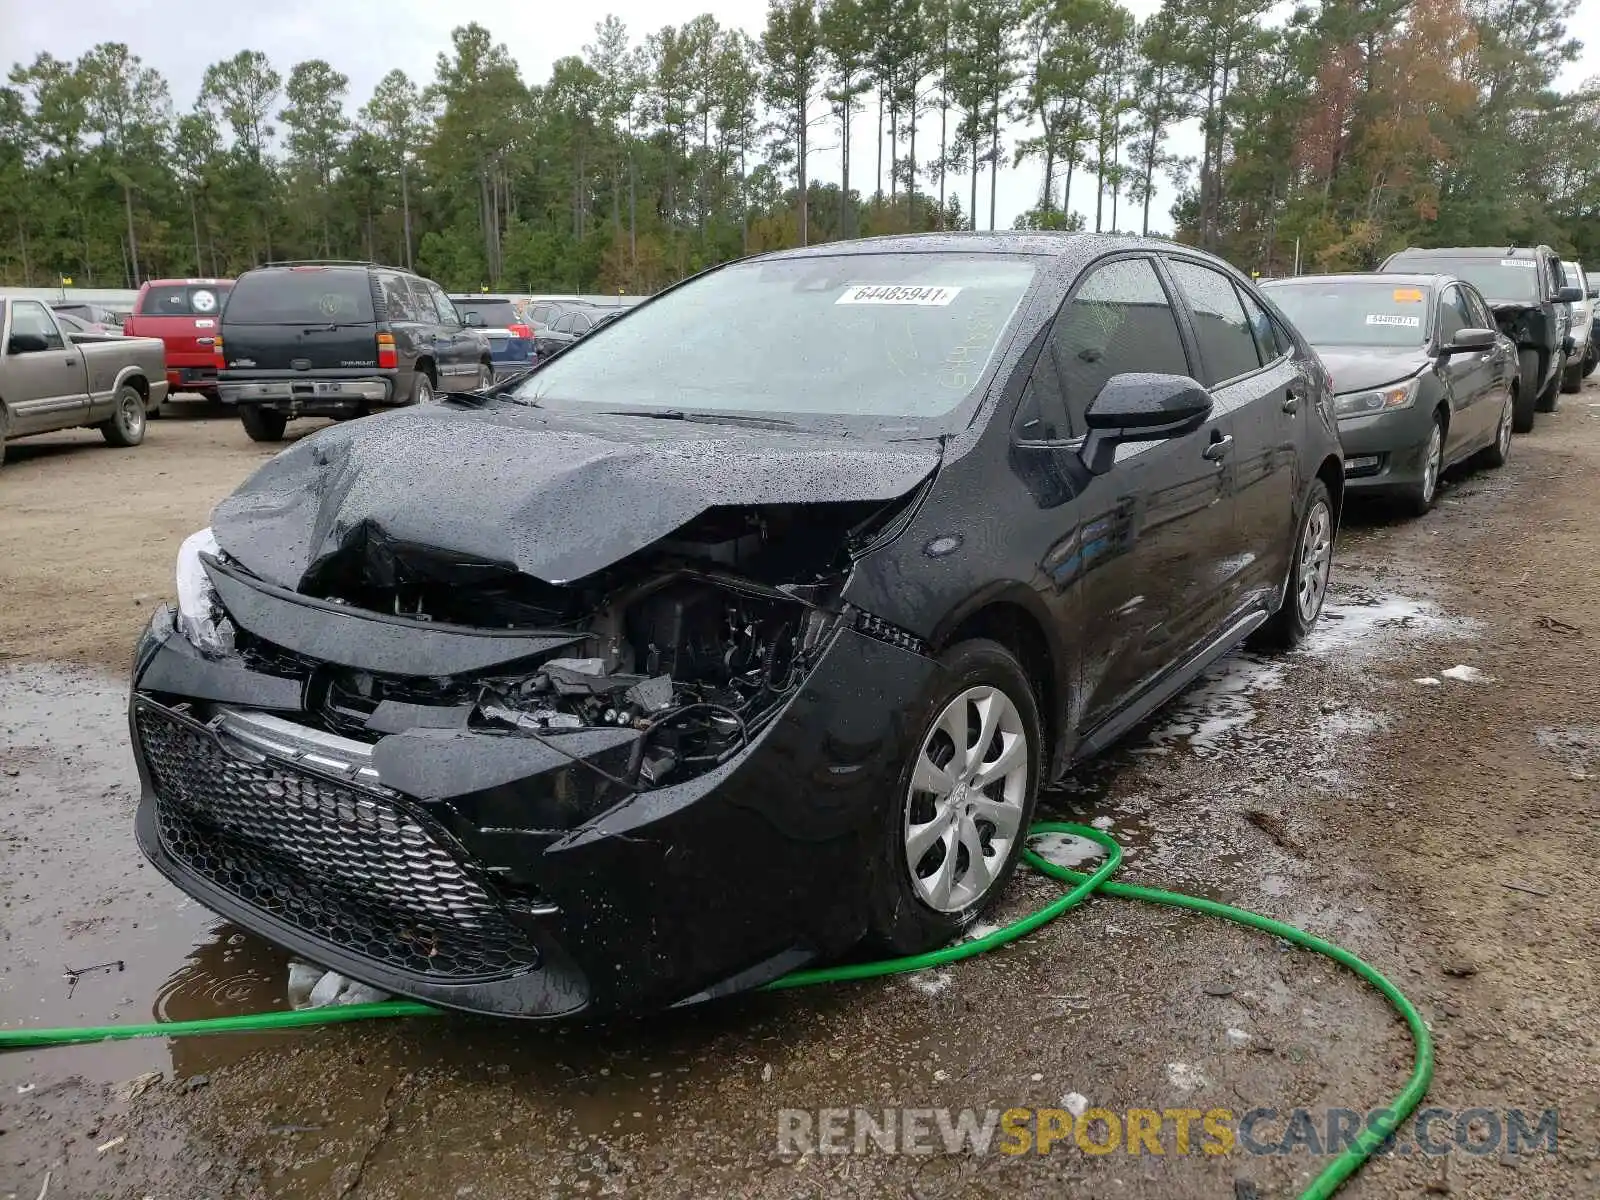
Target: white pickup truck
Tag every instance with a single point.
(50, 380)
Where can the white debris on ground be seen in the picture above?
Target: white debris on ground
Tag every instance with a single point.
(1428, 681)
(1238, 1037)
(930, 983)
(1075, 1103)
(1184, 1077)
(1364, 624)
(978, 929)
(314, 987)
(1066, 849)
(1466, 674)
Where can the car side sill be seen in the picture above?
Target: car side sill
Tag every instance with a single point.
(1114, 726)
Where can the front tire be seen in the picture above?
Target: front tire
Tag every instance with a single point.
(126, 425)
(262, 424)
(1527, 391)
(954, 831)
(1551, 396)
(1572, 377)
(1310, 567)
(1591, 357)
(1419, 500)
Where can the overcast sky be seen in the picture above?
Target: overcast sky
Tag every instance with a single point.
(367, 38)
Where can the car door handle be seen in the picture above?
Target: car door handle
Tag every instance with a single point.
(1218, 449)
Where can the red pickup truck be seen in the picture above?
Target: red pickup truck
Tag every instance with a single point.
(184, 314)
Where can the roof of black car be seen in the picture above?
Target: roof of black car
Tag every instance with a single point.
(996, 242)
(1468, 252)
(480, 299)
(1391, 278)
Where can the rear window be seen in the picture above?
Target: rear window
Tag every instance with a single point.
(883, 337)
(319, 295)
(496, 314)
(1499, 279)
(187, 300)
(1350, 313)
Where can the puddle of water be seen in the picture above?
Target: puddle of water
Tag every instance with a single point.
(1208, 715)
(79, 894)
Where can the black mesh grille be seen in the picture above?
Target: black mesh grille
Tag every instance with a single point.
(346, 865)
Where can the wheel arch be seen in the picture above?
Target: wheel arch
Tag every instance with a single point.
(426, 365)
(1011, 615)
(1331, 472)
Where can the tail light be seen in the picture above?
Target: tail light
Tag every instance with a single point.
(521, 331)
(127, 327)
(387, 355)
(217, 355)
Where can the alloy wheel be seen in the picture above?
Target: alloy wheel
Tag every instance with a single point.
(1504, 435)
(964, 808)
(130, 414)
(485, 378)
(1430, 470)
(1316, 561)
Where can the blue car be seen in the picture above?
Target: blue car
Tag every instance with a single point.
(510, 341)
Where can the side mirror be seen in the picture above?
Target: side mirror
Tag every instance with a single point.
(473, 320)
(1140, 407)
(1467, 340)
(1569, 295)
(27, 343)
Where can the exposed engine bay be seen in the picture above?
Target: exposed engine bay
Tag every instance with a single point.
(695, 642)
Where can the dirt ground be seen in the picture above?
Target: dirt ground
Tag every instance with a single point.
(1445, 829)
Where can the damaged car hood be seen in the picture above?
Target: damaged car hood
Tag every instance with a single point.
(550, 495)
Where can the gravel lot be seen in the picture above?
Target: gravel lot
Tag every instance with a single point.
(1445, 831)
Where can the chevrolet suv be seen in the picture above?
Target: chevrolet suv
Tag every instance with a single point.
(338, 339)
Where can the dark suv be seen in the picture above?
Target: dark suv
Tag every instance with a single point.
(1525, 289)
(337, 339)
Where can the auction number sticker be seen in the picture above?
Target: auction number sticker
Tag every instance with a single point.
(1521, 263)
(898, 293)
(1399, 319)
(1408, 295)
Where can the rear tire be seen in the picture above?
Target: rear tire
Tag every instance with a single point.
(262, 424)
(1496, 452)
(485, 377)
(1591, 357)
(1310, 567)
(126, 425)
(5, 431)
(917, 903)
(421, 389)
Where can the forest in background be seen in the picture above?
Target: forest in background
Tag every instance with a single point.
(1348, 127)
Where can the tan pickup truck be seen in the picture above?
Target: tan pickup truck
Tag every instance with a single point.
(51, 381)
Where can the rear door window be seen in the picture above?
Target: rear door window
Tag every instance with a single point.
(183, 300)
(296, 295)
(1118, 320)
(398, 300)
(1227, 345)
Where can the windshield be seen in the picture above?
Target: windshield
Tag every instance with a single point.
(298, 295)
(496, 314)
(183, 300)
(1499, 279)
(889, 337)
(1356, 313)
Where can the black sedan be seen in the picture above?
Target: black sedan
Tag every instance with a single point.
(743, 631)
(566, 328)
(1423, 378)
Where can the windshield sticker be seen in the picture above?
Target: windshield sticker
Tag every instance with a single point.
(1408, 295)
(884, 293)
(1521, 263)
(1399, 319)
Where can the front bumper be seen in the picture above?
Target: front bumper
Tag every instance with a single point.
(1387, 451)
(473, 887)
(309, 397)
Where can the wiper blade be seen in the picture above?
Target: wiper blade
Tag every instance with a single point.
(704, 418)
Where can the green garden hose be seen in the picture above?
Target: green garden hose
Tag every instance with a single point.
(1325, 1184)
